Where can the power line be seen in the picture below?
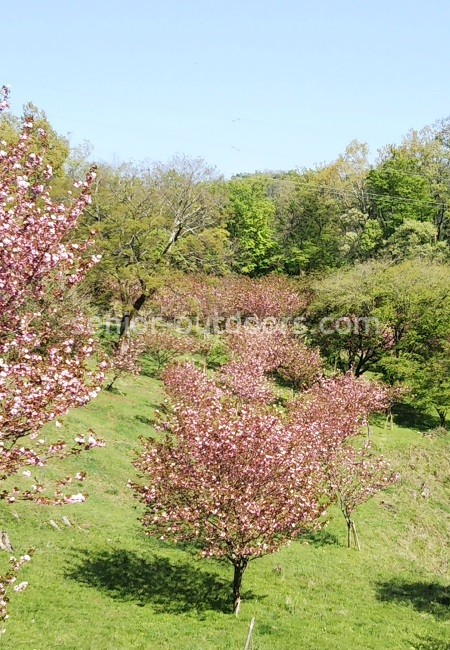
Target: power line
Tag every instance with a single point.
(374, 195)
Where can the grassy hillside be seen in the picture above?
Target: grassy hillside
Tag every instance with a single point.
(102, 584)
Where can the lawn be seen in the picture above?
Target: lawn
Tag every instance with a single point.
(101, 583)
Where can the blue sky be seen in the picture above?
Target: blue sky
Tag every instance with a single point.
(246, 85)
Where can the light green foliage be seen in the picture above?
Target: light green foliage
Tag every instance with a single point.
(430, 383)
(251, 226)
(307, 217)
(349, 211)
(408, 340)
(152, 220)
(208, 252)
(417, 306)
(323, 214)
(399, 192)
(409, 304)
(412, 181)
(130, 235)
(414, 300)
(362, 235)
(350, 293)
(426, 377)
(415, 239)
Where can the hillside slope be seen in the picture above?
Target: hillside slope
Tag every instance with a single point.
(102, 584)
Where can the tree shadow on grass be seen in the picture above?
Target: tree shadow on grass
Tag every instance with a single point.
(321, 538)
(428, 597)
(144, 419)
(406, 415)
(168, 586)
(113, 390)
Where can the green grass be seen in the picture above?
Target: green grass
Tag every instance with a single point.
(102, 584)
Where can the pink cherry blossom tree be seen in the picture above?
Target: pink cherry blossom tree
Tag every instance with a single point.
(263, 350)
(125, 359)
(227, 476)
(46, 344)
(336, 409)
(354, 476)
(164, 346)
(221, 298)
(47, 352)
(331, 415)
(239, 477)
(8, 582)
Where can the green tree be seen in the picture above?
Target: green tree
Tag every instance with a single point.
(412, 181)
(151, 220)
(427, 379)
(323, 217)
(251, 226)
(430, 383)
(345, 317)
(306, 221)
(377, 310)
(415, 239)
(398, 192)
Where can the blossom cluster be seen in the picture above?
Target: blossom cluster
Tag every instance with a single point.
(261, 354)
(165, 346)
(47, 348)
(162, 345)
(199, 297)
(9, 580)
(356, 475)
(227, 476)
(241, 477)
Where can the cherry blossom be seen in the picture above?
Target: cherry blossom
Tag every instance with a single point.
(354, 476)
(47, 346)
(75, 498)
(9, 579)
(239, 477)
(232, 296)
(227, 476)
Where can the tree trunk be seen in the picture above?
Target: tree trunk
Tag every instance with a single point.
(111, 383)
(352, 533)
(172, 239)
(239, 568)
(442, 418)
(389, 420)
(126, 318)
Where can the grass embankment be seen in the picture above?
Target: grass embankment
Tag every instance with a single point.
(102, 584)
